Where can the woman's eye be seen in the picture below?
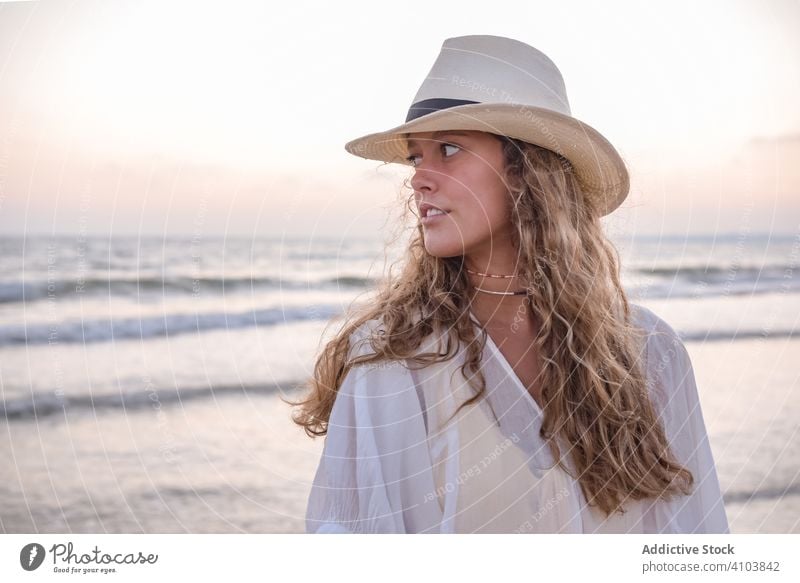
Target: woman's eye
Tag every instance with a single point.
(412, 159)
(449, 146)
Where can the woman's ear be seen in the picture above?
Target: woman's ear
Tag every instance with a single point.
(513, 182)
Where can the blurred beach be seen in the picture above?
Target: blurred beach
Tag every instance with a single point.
(141, 377)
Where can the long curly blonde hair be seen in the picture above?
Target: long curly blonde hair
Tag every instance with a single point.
(594, 392)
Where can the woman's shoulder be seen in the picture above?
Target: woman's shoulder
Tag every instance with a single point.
(657, 331)
(361, 338)
(665, 353)
(647, 319)
(381, 384)
(369, 331)
(668, 365)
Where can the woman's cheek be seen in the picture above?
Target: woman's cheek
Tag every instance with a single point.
(458, 223)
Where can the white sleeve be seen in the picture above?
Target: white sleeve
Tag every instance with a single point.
(375, 472)
(677, 400)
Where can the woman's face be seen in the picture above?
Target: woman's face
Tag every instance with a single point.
(460, 172)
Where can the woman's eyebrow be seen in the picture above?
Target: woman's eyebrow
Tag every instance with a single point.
(411, 142)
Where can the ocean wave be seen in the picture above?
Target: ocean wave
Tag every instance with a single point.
(769, 493)
(31, 290)
(671, 289)
(91, 330)
(47, 404)
(714, 272)
(728, 335)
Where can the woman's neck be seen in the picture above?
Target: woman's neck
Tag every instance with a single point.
(498, 311)
(493, 279)
(501, 312)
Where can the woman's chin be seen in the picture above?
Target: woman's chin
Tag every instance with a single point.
(440, 246)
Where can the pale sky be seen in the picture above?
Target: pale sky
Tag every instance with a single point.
(230, 117)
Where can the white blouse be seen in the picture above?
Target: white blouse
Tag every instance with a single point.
(390, 463)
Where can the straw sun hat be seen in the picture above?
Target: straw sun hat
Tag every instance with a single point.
(506, 87)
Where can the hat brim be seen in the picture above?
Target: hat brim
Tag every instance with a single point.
(598, 166)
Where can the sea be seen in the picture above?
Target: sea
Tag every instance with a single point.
(142, 378)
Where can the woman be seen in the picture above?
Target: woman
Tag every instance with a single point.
(502, 382)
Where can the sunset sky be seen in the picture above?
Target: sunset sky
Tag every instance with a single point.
(163, 118)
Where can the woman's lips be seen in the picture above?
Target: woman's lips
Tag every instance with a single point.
(430, 219)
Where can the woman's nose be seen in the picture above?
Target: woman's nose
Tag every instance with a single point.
(423, 179)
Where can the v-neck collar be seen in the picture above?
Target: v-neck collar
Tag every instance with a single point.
(506, 365)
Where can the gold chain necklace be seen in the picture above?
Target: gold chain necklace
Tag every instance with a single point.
(496, 293)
